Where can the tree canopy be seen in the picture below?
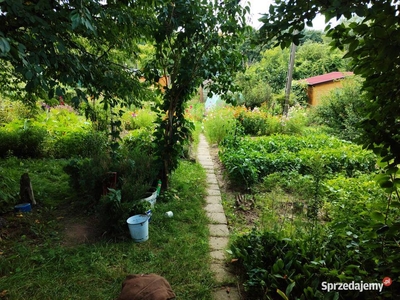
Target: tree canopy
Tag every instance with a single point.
(372, 41)
(47, 45)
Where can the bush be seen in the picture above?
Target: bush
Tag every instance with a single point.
(139, 139)
(253, 122)
(276, 266)
(136, 173)
(22, 142)
(11, 110)
(342, 110)
(76, 144)
(141, 118)
(218, 124)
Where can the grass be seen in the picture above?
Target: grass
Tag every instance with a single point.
(34, 263)
(49, 181)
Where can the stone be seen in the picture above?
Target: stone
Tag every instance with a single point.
(218, 255)
(213, 199)
(214, 193)
(214, 208)
(218, 230)
(222, 275)
(217, 218)
(218, 243)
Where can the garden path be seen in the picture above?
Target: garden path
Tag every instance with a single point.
(219, 232)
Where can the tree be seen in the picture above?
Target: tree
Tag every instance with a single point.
(372, 42)
(251, 48)
(314, 59)
(312, 35)
(194, 41)
(254, 89)
(274, 66)
(49, 45)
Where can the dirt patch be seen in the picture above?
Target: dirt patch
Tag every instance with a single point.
(77, 227)
(79, 230)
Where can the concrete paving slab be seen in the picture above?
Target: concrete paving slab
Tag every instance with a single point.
(218, 230)
(213, 199)
(217, 218)
(214, 187)
(221, 274)
(211, 175)
(214, 208)
(218, 255)
(213, 193)
(218, 243)
(208, 167)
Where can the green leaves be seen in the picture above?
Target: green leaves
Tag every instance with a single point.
(251, 159)
(4, 45)
(82, 16)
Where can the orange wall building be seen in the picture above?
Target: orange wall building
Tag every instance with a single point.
(319, 86)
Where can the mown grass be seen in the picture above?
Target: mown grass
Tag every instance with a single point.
(35, 264)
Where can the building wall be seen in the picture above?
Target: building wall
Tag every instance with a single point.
(316, 92)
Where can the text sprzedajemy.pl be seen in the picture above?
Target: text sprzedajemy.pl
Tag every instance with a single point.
(351, 286)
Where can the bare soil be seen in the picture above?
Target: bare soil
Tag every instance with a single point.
(79, 230)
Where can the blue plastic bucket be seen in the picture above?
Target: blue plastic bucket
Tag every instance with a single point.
(24, 207)
(139, 228)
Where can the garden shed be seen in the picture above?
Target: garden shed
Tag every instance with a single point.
(318, 86)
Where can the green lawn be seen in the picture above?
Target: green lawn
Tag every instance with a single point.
(34, 264)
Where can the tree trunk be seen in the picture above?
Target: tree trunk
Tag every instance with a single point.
(25, 190)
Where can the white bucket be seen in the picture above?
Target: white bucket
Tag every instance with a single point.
(139, 227)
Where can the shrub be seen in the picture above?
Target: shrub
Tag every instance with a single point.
(9, 140)
(218, 124)
(253, 122)
(195, 111)
(136, 173)
(86, 177)
(294, 269)
(11, 110)
(76, 144)
(342, 110)
(22, 141)
(139, 139)
(141, 118)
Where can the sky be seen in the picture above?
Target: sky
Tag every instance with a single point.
(258, 7)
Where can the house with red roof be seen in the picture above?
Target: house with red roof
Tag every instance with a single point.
(319, 86)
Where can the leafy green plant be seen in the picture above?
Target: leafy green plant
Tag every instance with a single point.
(342, 110)
(10, 110)
(249, 160)
(22, 140)
(76, 144)
(218, 124)
(141, 118)
(253, 122)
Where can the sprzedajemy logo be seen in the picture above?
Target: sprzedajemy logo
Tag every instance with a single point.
(356, 286)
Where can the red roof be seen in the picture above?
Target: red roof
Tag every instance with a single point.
(327, 77)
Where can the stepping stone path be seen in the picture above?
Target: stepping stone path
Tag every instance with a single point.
(219, 233)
